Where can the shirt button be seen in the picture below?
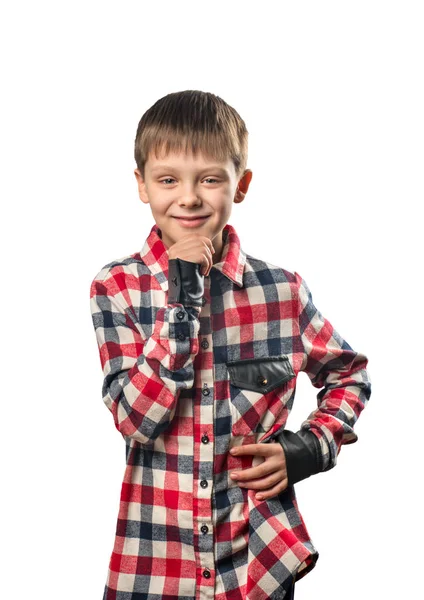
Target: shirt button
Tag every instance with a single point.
(181, 337)
(205, 439)
(262, 380)
(205, 343)
(206, 574)
(204, 529)
(204, 483)
(203, 301)
(180, 314)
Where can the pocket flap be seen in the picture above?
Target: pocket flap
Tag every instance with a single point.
(260, 374)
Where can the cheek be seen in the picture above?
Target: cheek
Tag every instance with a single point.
(223, 205)
(161, 206)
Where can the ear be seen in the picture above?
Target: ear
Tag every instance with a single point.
(141, 187)
(243, 186)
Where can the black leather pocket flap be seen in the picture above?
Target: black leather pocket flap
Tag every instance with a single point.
(260, 374)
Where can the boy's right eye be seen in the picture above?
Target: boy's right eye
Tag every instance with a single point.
(167, 179)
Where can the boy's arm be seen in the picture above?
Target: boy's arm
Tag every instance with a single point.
(331, 364)
(143, 377)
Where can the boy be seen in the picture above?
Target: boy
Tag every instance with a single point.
(200, 345)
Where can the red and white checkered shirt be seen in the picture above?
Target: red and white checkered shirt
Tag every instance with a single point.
(185, 529)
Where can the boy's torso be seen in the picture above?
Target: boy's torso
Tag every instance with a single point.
(178, 499)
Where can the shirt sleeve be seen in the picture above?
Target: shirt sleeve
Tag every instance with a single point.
(143, 377)
(331, 364)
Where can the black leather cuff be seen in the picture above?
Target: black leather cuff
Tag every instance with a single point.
(186, 284)
(303, 454)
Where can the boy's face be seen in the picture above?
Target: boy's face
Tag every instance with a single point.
(180, 185)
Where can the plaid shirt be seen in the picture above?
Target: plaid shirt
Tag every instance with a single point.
(173, 383)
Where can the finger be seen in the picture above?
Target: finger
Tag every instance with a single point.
(205, 263)
(208, 242)
(271, 492)
(265, 482)
(264, 467)
(210, 257)
(262, 470)
(271, 464)
(260, 449)
(208, 247)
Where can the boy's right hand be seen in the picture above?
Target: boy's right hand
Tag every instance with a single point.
(190, 259)
(195, 248)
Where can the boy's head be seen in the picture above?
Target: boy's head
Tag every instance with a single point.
(191, 155)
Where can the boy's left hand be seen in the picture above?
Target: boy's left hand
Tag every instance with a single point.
(270, 477)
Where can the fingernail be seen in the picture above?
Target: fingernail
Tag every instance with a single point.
(233, 475)
(259, 497)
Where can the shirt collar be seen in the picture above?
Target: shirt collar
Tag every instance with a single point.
(233, 259)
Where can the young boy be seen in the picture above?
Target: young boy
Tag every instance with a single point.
(200, 345)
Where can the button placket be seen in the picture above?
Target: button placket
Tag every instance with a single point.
(205, 454)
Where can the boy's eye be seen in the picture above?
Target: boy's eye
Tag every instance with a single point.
(172, 179)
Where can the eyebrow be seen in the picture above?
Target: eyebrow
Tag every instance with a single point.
(211, 168)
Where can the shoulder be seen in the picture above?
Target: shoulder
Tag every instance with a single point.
(117, 274)
(265, 271)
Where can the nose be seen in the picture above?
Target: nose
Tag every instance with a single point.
(189, 198)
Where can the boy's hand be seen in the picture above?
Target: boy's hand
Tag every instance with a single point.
(270, 477)
(195, 248)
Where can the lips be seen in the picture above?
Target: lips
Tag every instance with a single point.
(192, 221)
(191, 218)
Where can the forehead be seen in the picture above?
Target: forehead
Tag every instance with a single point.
(184, 161)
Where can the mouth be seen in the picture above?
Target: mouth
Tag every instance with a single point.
(192, 221)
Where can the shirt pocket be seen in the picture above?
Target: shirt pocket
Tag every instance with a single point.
(252, 383)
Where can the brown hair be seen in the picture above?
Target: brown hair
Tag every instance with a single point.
(194, 120)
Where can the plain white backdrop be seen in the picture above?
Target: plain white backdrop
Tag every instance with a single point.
(332, 96)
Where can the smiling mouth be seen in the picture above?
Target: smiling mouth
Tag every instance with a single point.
(192, 218)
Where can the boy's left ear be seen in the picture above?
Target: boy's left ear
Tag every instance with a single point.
(243, 186)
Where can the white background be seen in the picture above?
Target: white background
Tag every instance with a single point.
(332, 95)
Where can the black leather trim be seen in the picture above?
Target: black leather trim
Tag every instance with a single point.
(185, 282)
(303, 454)
(260, 374)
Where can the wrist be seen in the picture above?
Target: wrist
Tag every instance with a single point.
(302, 452)
(185, 282)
